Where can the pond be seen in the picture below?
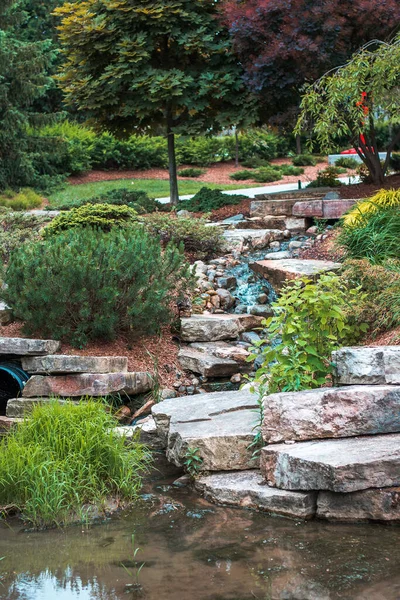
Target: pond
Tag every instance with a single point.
(197, 551)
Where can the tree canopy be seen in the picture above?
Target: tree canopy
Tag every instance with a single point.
(133, 65)
(282, 45)
(351, 99)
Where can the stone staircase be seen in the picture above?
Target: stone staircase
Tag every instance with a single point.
(63, 376)
(331, 453)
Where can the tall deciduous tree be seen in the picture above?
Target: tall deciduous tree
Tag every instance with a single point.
(137, 64)
(350, 100)
(284, 44)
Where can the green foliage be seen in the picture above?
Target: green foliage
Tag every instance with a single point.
(136, 199)
(310, 321)
(191, 172)
(326, 178)
(289, 169)
(382, 199)
(347, 162)
(203, 150)
(242, 175)
(208, 199)
(380, 284)
(100, 216)
(395, 162)
(194, 234)
(304, 160)
(84, 284)
(23, 200)
(375, 235)
(65, 457)
(17, 228)
(192, 461)
(267, 175)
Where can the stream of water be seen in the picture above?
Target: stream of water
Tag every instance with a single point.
(193, 550)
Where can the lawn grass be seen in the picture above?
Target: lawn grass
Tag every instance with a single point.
(156, 188)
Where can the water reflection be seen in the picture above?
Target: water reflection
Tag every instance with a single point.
(197, 551)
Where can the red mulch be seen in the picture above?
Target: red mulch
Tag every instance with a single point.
(143, 353)
(364, 190)
(326, 249)
(388, 338)
(216, 173)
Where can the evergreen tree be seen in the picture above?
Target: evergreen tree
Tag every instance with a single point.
(138, 64)
(23, 81)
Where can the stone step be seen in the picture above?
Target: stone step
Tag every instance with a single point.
(254, 238)
(325, 209)
(331, 413)
(275, 207)
(7, 423)
(213, 328)
(278, 271)
(88, 384)
(59, 363)
(247, 489)
(20, 407)
(382, 504)
(342, 465)
(214, 359)
(220, 424)
(367, 365)
(27, 347)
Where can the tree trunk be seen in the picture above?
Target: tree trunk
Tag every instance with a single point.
(298, 144)
(173, 178)
(236, 148)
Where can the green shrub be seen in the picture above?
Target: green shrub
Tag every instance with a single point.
(23, 200)
(395, 161)
(311, 320)
(85, 284)
(289, 169)
(208, 199)
(72, 145)
(255, 162)
(16, 228)
(267, 175)
(242, 175)
(101, 216)
(364, 208)
(191, 172)
(374, 235)
(380, 307)
(347, 162)
(136, 199)
(326, 178)
(202, 150)
(194, 234)
(304, 160)
(65, 457)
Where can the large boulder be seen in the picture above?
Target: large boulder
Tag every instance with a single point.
(27, 347)
(254, 238)
(367, 365)
(382, 504)
(88, 384)
(331, 413)
(342, 465)
(20, 407)
(59, 363)
(214, 359)
(247, 489)
(213, 328)
(278, 271)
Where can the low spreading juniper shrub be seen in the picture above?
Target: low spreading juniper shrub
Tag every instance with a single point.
(304, 160)
(64, 458)
(84, 284)
(101, 216)
(207, 200)
(136, 199)
(191, 172)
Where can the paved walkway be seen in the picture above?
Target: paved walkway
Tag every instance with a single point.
(265, 189)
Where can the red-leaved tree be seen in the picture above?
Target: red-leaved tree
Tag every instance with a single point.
(283, 44)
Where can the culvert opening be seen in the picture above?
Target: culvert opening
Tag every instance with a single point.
(12, 382)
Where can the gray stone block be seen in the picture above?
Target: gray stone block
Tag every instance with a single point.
(60, 363)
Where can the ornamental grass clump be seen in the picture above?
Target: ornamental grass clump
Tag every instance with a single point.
(66, 458)
(85, 284)
(366, 208)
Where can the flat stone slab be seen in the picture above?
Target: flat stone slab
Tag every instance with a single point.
(274, 207)
(202, 407)
(331, 413)
(343, 465)
(326, 209)
(213, 328)
(7, 423)
(256, 238)
(367, 365)
(278, 271)
(214, 359)
(222, 441)
(27, 346)
(88, 384)
(247, 489)
(60, 363)
(20, 407)
(382, 504)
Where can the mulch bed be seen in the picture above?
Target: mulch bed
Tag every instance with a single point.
(326, 249)
(364, 190)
